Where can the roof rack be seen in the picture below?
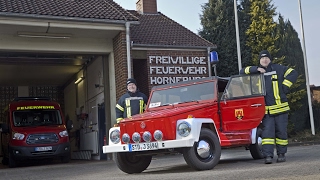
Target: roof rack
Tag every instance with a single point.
(32, 99)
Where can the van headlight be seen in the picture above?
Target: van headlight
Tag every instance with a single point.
(184, 129)
(115, 136)
(63, 133)
(17, 136)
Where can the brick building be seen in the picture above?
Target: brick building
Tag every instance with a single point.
(80, 53)
(162, 50)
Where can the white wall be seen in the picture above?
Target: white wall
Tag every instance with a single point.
(112, 85)
(95, 96)
(70, 107)
(75, 45)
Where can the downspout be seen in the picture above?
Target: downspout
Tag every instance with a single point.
(128, 48)
(209, 64)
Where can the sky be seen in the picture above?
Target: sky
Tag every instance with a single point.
(187, 13)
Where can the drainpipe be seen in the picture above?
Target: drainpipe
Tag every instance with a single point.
(128, 48)
(209, 65)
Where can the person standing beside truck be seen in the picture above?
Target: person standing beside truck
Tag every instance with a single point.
(278, 80)
(131, 103)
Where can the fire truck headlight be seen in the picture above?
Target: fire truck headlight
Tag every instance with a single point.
(17, 136)
(158, 135)
(115, 136)
(126, 138)
(136, 137)
(146, 136)
(63, 133)
(184, 129)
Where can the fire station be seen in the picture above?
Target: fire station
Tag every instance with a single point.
(80, 53)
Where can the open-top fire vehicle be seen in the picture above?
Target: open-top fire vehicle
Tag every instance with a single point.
(196, 118)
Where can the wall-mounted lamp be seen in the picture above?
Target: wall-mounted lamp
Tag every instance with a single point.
(44, 35)
(98, 85)
(78, 80)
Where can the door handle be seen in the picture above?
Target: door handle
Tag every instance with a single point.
(256, 105)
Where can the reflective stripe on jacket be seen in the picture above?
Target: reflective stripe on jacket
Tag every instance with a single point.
(278, 80)
(128, 106)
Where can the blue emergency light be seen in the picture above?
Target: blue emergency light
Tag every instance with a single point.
(214, 57)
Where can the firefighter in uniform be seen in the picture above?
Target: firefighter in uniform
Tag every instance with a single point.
(131, 103)
(278, 80)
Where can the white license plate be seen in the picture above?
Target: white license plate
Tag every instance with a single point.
(143, 146)
(48, 148)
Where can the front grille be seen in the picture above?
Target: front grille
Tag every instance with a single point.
(43, 153)
(47, 138)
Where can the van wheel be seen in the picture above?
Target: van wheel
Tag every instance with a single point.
(256, 149)
(5, 160)
(12, 161)
(130, 163)
(205, 154)
(65, 159)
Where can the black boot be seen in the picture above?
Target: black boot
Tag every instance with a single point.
(281, 158)
(268, 160)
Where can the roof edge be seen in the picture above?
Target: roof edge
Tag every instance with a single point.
(149, 46)
(62, 18)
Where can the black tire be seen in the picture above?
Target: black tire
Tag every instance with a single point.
(130, 163)
(256, 149)
(210, 157)
(5, 160)
(12, 161)
(65, 159)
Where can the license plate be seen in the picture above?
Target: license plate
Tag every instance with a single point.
(48, 148)
(143, 146)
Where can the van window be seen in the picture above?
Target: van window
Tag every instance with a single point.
(36, 118)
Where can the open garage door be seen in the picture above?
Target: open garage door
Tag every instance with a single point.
(31, 74)
(25, 69)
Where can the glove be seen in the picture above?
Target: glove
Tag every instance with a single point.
(116, 125)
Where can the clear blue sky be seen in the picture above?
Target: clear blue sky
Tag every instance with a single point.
(187, 13)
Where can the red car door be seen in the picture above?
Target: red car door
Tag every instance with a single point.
(242, 104)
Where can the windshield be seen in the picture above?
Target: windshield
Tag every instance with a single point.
(194, 92)
(36, 118)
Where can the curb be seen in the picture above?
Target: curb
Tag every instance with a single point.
(306, 143)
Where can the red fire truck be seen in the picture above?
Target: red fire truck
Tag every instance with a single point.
(34, 128)
(196, 118)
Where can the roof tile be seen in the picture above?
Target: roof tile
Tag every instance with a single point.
(158, 29)
(154, 29)
(96, 9)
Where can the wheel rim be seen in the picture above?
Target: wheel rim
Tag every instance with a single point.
(259, 143)
(204, 150)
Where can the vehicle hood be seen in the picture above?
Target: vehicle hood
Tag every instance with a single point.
(40, 129)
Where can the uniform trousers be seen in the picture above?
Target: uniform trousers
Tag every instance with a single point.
(274, 133)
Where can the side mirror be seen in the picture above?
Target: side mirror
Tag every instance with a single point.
(4, 128)
(69, 125)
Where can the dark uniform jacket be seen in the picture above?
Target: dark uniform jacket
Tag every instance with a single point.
(278, 80)
(130, 104)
